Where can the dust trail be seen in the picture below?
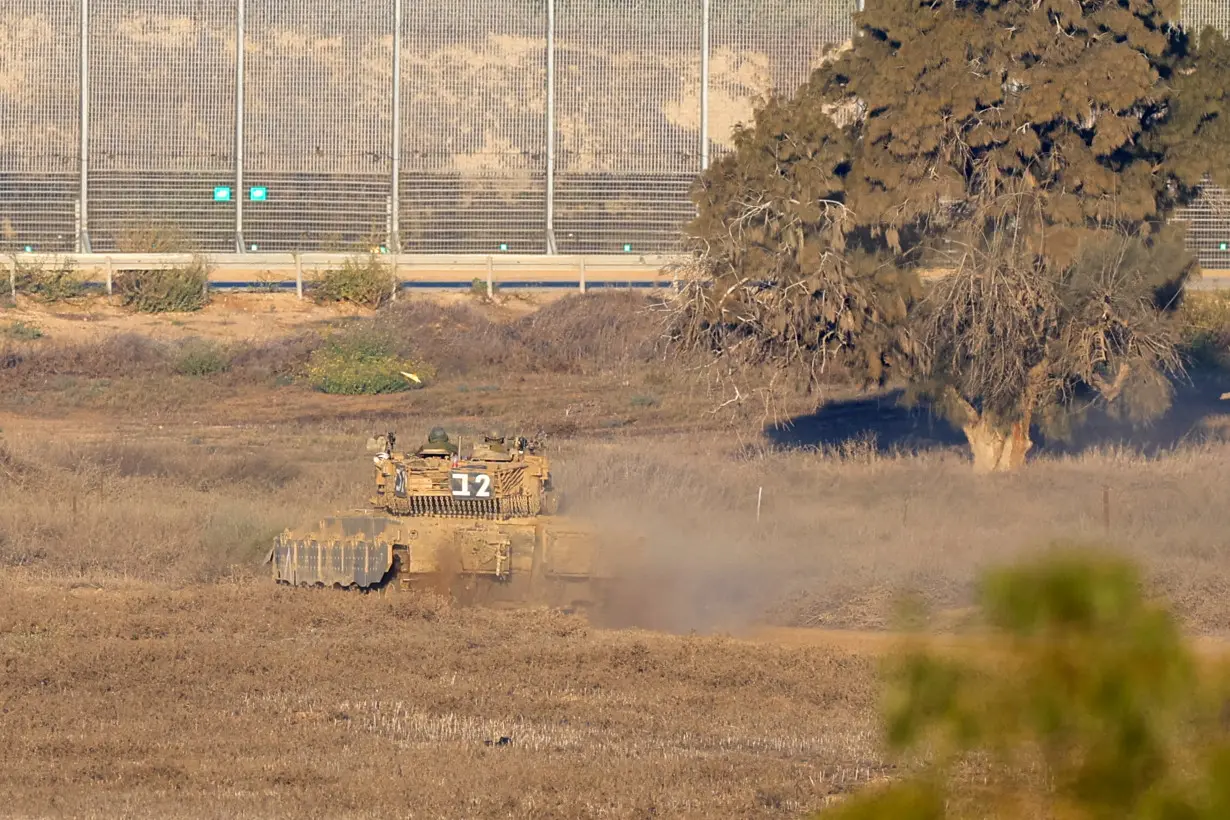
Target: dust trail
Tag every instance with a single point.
(686, 570)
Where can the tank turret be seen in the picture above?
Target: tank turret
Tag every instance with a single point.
(516, 483)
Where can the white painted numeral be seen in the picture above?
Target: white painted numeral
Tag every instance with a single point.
(463, 487)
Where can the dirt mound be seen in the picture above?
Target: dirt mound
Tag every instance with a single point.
(589, 333)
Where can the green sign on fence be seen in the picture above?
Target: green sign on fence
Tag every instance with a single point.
(222, 194)
(1223, 246)
(258, 194)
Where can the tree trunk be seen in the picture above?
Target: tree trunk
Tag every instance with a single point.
(998, 448)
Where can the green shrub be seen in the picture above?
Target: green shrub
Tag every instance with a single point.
(478, 288)
(367, 283)
(202, 358)
(23, 331)
(363, 361)
(170, 290)
(49, 285)
(1083, 702)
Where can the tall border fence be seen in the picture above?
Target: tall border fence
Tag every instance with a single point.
(424, 126)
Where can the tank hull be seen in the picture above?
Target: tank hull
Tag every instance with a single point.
(554, 561)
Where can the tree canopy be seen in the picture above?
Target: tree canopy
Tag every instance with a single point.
(1034, 150)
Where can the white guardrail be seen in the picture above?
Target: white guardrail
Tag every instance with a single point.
(290, 271)
(287, 271)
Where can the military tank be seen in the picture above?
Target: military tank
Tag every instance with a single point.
(484, 528)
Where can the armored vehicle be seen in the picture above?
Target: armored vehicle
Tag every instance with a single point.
(483, 528)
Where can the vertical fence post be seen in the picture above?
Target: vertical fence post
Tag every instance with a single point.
(395, 197)
(551, 248)
(83, 205)
(110, 278)
(240, 41)
(298, 275)
(704, 86)
(1106, 508)
(490, 278)
(582, 274)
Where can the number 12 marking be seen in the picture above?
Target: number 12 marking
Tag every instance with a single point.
(462, 487)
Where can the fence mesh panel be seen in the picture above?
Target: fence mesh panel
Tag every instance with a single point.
(758, 46)
(1197, 14)
(318, 124)
(162, 124)
(319, 130)
(627, 124)
(1208, 227)
(39, 124)
(474, 132)
(1208, 220)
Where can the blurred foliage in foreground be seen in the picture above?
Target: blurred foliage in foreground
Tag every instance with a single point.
(1083, 702)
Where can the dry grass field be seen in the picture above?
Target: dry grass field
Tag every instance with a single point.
(151, 670)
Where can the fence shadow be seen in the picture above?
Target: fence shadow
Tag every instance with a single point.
(881, 422)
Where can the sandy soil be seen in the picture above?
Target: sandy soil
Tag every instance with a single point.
(151, 669)
(229, 316)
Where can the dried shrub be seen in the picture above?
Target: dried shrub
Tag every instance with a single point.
(594, 332)
(1205, 322)
(126, 354)
(169, 290)
(363, 360)
(155, 239)
(456, 338)
(10, 359)
(279, 360)
(49, 285)
(13, 468)
(366, 283)
(200, 357)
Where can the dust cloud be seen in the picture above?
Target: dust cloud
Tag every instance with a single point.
(683, 562)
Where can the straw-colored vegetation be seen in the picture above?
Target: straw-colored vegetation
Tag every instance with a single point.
(152, 669)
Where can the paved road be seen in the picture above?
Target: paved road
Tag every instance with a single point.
(285, 271)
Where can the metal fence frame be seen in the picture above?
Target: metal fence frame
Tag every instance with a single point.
(380, 180)
(556, 188)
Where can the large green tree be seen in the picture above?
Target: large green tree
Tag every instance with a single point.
(1035, 150)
